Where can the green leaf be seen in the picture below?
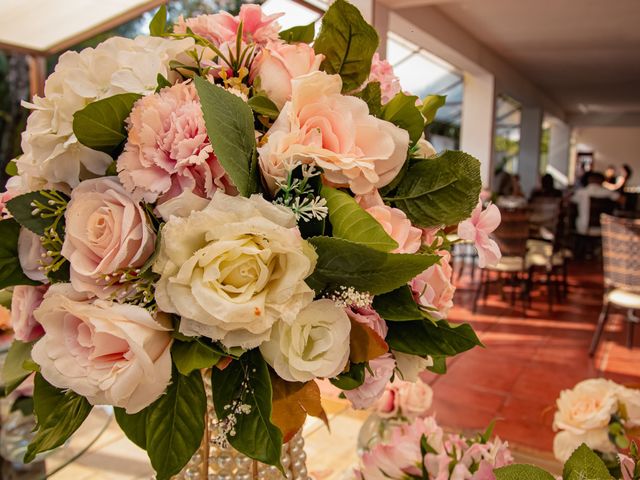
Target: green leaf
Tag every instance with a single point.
(59, 415)
(584, 464)
(345, 263)
(423, 338)
(348, 43)
(351, 222)
(301, 33)
(158, 25)
(397, 306)
(11, 169)
(229, 122)
(430, 106)
(263, 106)
(101, 124)
(401, 110)
(13, 371)
(439, 364)
(10, 270)
(162, 82)
(442, 190)
(351, 379)
(21, 207)
(134, 426)
(196, 355)
(372, 95)
(5, 299)
(175, 424)
(522, 472)
(247, 380)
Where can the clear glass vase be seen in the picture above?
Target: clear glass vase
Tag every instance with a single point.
(215, 462)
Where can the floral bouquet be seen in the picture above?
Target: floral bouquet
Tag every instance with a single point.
(599, 413)
(228, 199)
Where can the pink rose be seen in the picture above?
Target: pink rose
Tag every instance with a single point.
(373, 387)
(24, 301)
(433, 289)
(394, 221)
(370, 318)
(414, 398)
(32, 256)
(382, 71)
(279, 63)
(477, 228)
(168, 150)
(110, 353)
(321, 126)
(387, 405)
(106, 234)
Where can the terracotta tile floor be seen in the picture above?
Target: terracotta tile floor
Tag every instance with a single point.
(528, 361)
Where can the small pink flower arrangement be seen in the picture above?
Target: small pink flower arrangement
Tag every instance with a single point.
(405, 400)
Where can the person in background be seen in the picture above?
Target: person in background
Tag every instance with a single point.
(547, 188)
(618, 184)
(582, 199)
(516, 186)
(610, 174)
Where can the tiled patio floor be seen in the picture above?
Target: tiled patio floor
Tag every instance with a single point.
(528, 361)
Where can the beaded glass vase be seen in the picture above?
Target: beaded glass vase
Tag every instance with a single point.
(215, 462)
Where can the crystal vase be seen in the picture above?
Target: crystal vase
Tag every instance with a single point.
(215, 462)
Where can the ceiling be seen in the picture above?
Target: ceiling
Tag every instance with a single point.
(585, 54)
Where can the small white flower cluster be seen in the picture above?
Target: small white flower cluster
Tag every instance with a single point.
(299, 196)
(350, 297)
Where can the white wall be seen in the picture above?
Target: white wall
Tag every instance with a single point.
(612, 145)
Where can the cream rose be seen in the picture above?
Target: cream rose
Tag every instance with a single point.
(414, 398)
(335, 132)
(565, 443)
(630, 398)
(233, 269)
(31, 255)
(106, 233)
(588, 406)
(278, 64)
(110, 353)
(315, 344)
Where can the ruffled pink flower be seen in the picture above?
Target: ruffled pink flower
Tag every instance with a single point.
(433, 289)
(373, 387)
(382, 71)
(24, 301)
(477, 229)
(370, 318)
(627, 466)
(168, 150)
(394, 221)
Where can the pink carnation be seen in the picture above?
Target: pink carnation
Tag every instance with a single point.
(168, 150)
(373, 387)
(370, 318)
(382, 71)
(433, 288)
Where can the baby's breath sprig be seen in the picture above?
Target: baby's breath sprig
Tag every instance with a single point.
(227, 425)
(350, 297)
(298, 195)
(133, 286)
(52, 210)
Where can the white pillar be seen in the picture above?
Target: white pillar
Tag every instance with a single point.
(529, 157)
(559, 151)
(477, 122)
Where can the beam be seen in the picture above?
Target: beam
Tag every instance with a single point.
(622, 119)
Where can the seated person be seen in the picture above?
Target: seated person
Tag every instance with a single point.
(582, 199)
(547, 188)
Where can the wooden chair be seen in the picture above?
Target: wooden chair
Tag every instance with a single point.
(511, 236)
(621, 261)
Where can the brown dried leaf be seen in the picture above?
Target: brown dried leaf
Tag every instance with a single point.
(365, 343)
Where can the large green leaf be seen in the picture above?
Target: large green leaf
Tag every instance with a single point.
(10, 270)
(59, 415)
(13, 371)
(440, 190)
(397, 306)
(373, 96)
(195, 355)
(134, 426)
(300, 33)
(101, 124)
(158, 24)
(175, 424)
(229, 123)
(348, 43)
(22, 207)
(263, 106)
(247, 381)
(352, 378)
(351, 222)
(345, 263)
(401, 110)
(584, 464)
(422, 338)
(430, 106)
(522, 472)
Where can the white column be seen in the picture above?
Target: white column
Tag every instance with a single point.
(559, 151)
(529, 157)
(477, 123)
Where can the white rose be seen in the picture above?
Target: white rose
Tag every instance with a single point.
(425, 149)
(110, 353)
(315, 344)
(414, 398)
(565, 443)
(630, 398)
(589, 405)
(410, 366)
(31, 255)
(233, 269)
(182, 205)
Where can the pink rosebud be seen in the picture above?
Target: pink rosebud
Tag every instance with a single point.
(32, 255)
(387, 405)
(477, 229)
(24, 301)
(369, 317)
(373, 387)
(433, 289)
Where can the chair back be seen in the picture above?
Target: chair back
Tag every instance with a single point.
(513, 232)
(621, 252)
(598, 206)
(545, 214)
